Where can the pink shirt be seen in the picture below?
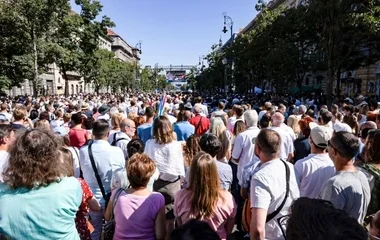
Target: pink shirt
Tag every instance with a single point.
(225, 209)
(135, 216)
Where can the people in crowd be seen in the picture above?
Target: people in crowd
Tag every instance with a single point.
(139, 213)
(124, 136)
(301, 144)
(116, 120)
(316, 169)
(200, 122)
(220, 112)
(78, 135)
(349, 189)
(190, 150)
(203, 110)
(311, 219)
(209, 203)
(101, 159)
(184, 129)
(166, 152)
(7, 137)
(194, 230)
(38, 201)
(371, 167)
(287, 147)
(271, 194)
(144, 131)
(88, 199)
(238, 115)
(20, 119)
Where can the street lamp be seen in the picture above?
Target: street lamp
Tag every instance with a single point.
(137, 48)
(225, 63)
(228, 22)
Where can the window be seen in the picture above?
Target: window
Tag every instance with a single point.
(77, 87)
(59, 80)
(72, 88)
(307, 80)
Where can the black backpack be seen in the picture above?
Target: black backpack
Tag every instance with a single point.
(116, 141)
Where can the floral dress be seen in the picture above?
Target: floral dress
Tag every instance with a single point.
(83, 210)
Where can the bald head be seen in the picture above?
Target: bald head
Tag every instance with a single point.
(126, 124)
(277, 119)
(369, 124)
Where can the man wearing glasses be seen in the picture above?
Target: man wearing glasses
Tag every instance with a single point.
(349, 189)
(122, 138)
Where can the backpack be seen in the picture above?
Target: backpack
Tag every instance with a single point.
(116, 141)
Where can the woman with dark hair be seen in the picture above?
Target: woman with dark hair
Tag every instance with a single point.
(88, 199)
(138, 212)
(194, 230)
(209, 203)
(78, 135)
(191, 148)
(166, 152)
(371, 168)
(314, 219)
(38, 202)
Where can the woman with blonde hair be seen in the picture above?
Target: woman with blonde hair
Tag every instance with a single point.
(219, 129)
(115, 122)
(293, 123)
(209, 203)
(166, 152)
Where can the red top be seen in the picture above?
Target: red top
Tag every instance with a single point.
(201, 124)
(80, 219)
(78, 137)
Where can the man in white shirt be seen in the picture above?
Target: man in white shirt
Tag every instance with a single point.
(243, 152)
(220, 112)
(316, 169)
(273, 188)
(122, 138)
(7, 137)
(287, 147)
(107, 159)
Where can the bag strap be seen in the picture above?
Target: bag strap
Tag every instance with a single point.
(115, 201)
(273, 214)
(199, 124)
(116, 141)
(96, 171)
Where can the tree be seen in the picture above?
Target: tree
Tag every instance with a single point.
(27, 26)
(78, 40)
(349, 35)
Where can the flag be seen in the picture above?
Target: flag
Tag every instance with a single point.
(161, 106)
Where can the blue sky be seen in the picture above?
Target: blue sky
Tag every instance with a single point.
(175, 31)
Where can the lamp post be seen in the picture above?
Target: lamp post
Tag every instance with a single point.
(228, 22)
(137, 49)
(225, 62)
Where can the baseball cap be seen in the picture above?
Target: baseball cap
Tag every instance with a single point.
(320, 136)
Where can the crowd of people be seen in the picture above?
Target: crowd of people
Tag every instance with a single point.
(185, 167)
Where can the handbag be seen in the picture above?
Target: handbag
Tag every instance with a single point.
(109, 227)
(246, 215)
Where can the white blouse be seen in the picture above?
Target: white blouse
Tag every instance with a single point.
(168, 158)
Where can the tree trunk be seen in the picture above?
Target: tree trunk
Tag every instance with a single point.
(35, 53)
(338, 83)
(67, 93)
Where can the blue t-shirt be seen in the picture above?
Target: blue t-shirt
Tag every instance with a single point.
(183, 130)
(44, 213)
(144, 132)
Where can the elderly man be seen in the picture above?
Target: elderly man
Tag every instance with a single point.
(287, 147)
(122, 138)
(201, 123)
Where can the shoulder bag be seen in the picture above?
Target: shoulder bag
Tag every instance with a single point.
(109, 227)
(246, 215)
(106, 196)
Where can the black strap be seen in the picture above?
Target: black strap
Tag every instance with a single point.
(96, 172)
(199, 124)
(116, 141)
(273, 214)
